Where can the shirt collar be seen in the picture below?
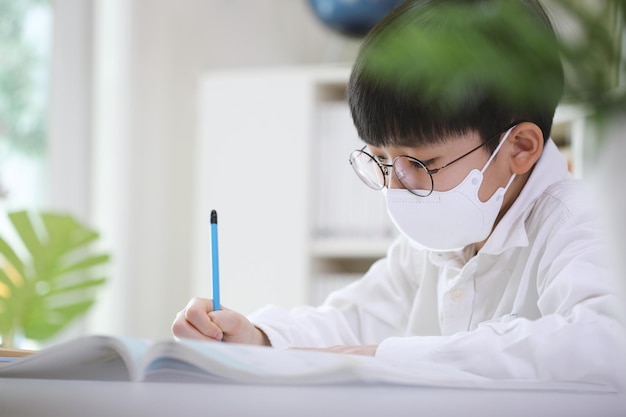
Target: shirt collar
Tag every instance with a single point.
(511, 230)
(455, 259)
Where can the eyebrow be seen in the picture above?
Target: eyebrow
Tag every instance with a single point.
(429, 162)
(381, 157)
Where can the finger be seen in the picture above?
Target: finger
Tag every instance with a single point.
(235, 327)
(200, 304)
(199, 318)
(194, 321)
(182, 329)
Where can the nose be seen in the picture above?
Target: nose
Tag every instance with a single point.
(392, 179)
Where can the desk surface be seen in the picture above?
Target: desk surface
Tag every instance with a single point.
(34, 397)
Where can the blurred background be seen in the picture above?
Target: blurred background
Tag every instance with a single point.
(111, 121)
(108, 103)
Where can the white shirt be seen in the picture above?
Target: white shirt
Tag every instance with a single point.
(536, 302)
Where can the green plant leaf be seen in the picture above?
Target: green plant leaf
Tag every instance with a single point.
(11, 257)
(83, 264)
(488, 49)
(46, 322)
(7, 287)
(67, 232)
(81, 285)
(4, 279)
(25, 229)
(60, 274)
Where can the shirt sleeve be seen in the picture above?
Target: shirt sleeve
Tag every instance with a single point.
(357, 314)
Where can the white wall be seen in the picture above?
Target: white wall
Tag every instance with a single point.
(148, 59)
(70, 107)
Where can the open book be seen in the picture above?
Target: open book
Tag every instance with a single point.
(128, 359)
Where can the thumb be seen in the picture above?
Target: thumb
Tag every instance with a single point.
(236, 328)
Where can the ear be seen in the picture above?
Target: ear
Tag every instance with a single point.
(527, 143)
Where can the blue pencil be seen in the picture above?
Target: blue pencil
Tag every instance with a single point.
(215, 262)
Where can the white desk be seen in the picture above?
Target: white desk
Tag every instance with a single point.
(32, 398)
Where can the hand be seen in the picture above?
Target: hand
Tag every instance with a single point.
(198, 321)
(365, 350)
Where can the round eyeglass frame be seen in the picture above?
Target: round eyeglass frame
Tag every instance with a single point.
(384, 168)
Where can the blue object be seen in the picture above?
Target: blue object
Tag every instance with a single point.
(215, 262)
(352, 17)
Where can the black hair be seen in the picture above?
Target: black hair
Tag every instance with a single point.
(399, 96)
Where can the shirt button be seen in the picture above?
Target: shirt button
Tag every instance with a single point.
(457, 295)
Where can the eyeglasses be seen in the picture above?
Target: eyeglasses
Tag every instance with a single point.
(412, 173)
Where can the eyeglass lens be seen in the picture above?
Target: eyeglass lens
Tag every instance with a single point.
(368, 169)
(411, 173)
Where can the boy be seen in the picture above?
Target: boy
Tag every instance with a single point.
(498, 270)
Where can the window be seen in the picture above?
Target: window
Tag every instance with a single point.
(25, 46)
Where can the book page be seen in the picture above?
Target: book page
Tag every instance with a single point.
(194, 361)
(92, 357)
(221, 362)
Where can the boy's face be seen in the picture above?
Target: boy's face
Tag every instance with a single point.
(437, 155)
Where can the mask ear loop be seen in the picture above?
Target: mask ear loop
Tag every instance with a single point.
(493, 155)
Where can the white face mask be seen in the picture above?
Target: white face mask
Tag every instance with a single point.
(447, 220)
